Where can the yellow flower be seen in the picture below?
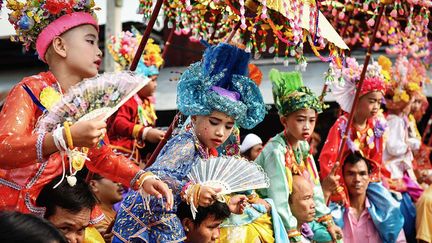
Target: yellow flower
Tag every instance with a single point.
(36, 18)
(386, 75)
(413, 86)
(385, 63)
(49, 97)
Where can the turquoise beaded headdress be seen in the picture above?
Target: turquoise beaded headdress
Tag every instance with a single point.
(220, 82)
(290, 94)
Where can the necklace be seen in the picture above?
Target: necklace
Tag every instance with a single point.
(293, 161)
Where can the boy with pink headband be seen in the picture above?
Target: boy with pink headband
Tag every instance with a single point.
(65, 35)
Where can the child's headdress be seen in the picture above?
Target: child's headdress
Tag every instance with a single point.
(290, 94)
(37, 23)
(408, 78)
(345, 87)
(220, 82)
(123, 47)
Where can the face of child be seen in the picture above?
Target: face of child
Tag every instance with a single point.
(214, 129)
(356, 178)
(416, 104)
(300, 124)
(206, 232)
(149, 89)
(83, 55)
(369, 104)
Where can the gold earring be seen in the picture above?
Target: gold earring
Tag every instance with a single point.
(187, 229)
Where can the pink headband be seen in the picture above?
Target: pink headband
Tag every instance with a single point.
(59, 26)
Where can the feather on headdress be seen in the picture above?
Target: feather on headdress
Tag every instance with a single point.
(290, 94)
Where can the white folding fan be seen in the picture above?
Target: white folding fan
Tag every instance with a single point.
(231, 174)
(102, 95)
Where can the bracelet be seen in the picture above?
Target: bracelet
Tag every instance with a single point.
(58, 138)
(197, 192)
(134, 180)
(144, 176)
(293, 233)
(188, 198)
(252, 197)
(68, 134)
(135, 131)
(327, 220)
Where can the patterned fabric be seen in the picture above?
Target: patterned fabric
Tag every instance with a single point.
(291, 95)
(196, 94)
(137, 223)
(272, 159)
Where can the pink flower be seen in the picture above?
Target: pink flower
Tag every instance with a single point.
(371, 22)
(57, 6)
(394, 13)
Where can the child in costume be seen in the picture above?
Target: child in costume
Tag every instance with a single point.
(216, 93)
(414, 88)
(231, 147)
(133, 124)
(287, 153)
(399, 146)
(365, 135)
(66, 38)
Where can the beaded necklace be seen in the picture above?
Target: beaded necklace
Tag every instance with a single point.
(293, 161)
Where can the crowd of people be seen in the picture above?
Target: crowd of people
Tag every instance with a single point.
(376, 189)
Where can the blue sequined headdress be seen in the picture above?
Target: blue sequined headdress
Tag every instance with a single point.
(219, 82)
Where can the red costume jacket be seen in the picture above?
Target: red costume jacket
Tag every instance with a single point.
(368, 140)
(22, 175)
(126, 127)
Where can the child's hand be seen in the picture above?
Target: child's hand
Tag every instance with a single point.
(159, 189)
(88, 133)
(154, 135)
(263, 202)
(237, 204)
(207, 195)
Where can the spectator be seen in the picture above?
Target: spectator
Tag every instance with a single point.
(205, 227)
(358, 225)
(302, 206)
(251, 146)
(68, 208)
(16, 227)
(107, 194)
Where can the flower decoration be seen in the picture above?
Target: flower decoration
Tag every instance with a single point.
(49, 97)
(345, 89)
(31, 17)
(403, 27)
(281, 21)
(124, 46)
